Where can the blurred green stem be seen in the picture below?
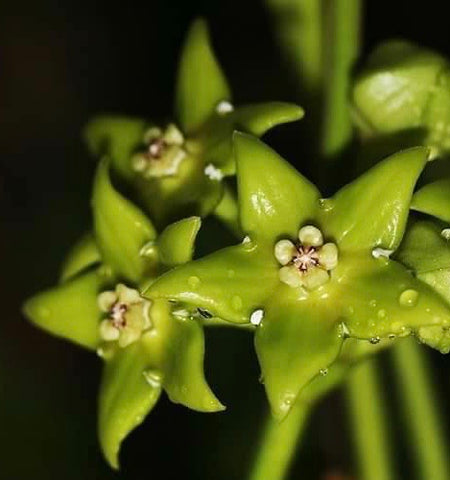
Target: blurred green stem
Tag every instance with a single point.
(342, 28)
(279, 442)
(369, 423)
(298, 27)
(421, 415)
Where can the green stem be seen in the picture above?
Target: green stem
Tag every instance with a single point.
(279, 442)
(298, 26)
(369, 423)
(343, 25)
(422, 417)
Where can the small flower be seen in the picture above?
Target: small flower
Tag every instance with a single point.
(127, 315)
(180, 169)
(163, 154)
(309, 262)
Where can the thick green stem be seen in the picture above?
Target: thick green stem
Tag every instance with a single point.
(298, 26)
(343, 31)
(279, 442)
(369, 423)
(421, 415)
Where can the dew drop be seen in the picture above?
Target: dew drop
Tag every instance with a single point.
(224, 107)
(153, 377)
(391, 336)
(445, 233)
(381, 252)
(408, 298)
(256, 317)
(325, 204)
(236, 302)
(323, 372)
(193, 281)
(374, 340)
(148, 250)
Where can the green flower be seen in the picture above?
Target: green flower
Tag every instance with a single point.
(147, 347)
(177, 168)
(403, 92)
(339, 282)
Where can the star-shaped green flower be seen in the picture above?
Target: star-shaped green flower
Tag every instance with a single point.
(311, 272)
(147, 345)
(177, 169)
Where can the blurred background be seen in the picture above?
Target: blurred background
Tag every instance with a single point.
(61, 61)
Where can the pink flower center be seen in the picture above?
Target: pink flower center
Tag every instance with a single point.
(305, 258)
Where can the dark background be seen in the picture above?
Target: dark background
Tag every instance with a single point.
(61, 62)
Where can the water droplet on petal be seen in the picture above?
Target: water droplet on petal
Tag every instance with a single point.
(153, 377)
(408, 298)
(193, 282)
(325, 204)
(149, 250)
(445, 233)
(381, 252)
(224, 107)
(256, 317)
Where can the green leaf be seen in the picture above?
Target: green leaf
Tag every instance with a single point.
(117, 137)
(231, 283)
(121, 229)
(372, 211)
(81, 256)
(427, 253)
(176, 242)
(379, 298)
(201, 85)
(125, 398)
(182, 348)
(70, 310)
(434, 199)
(274, 199)
(294, 343)
(258, 118)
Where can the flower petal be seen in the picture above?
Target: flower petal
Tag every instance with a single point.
(182, 348)
(125, 397)
(82, 255)
(230, 283)
(295, 341)
(176, 242)
(274, 199)
(121, 229)
(258, 118)
(434, 199)
(372, 211)
(201, 84)
(427, 252)
(70, 310)
(381, 298)
(117, 137)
